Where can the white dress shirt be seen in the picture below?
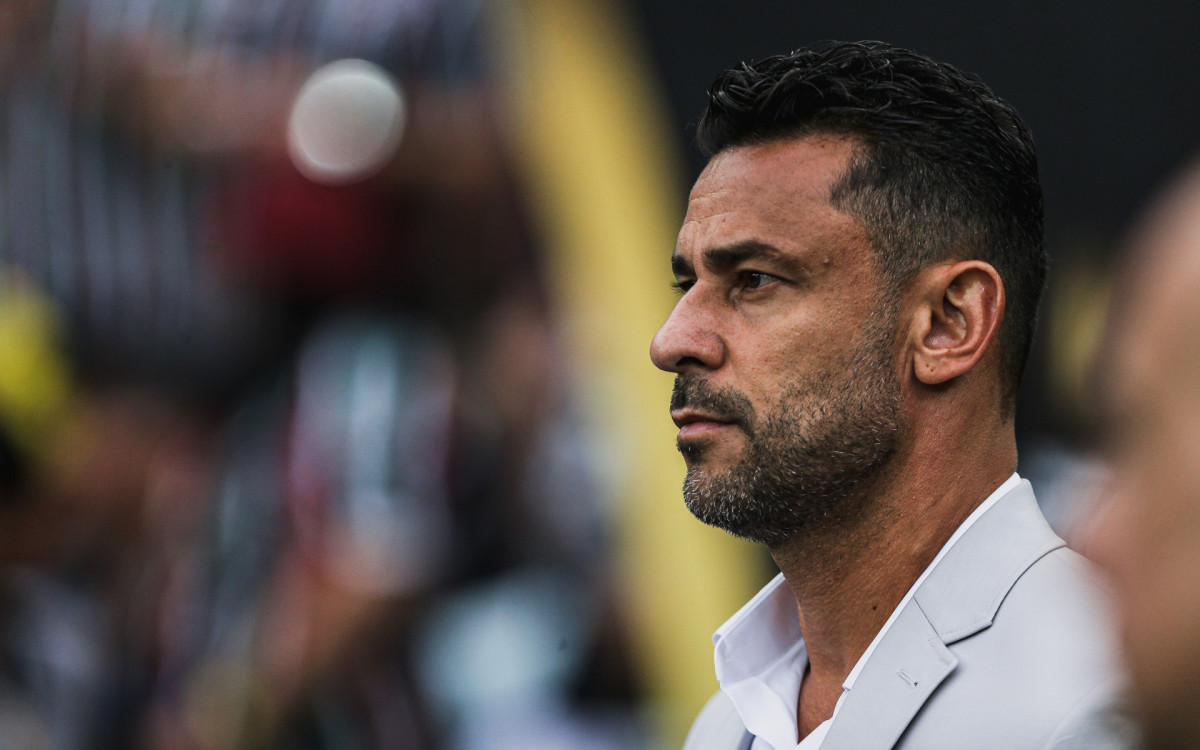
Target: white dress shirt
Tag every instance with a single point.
(760, 655)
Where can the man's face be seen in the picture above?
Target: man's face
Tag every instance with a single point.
(782, 342)
(1148, 535)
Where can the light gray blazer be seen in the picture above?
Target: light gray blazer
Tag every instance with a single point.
(1007, 644)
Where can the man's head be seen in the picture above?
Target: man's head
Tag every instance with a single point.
(943, 168)
(845, 184)
(1148, 536)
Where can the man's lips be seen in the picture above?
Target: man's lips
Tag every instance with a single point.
(693, 423)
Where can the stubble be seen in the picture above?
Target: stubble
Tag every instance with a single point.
(808, 458)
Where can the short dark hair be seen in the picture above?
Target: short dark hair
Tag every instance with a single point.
(944, 167)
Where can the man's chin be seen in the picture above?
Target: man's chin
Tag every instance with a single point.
(713, 498)
(736, 516)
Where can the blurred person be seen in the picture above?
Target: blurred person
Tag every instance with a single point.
(1147, 534)
(859, 272)
(72, 523)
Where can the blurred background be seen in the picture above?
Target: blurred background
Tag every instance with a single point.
(326, 415)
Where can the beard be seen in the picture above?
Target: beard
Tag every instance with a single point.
(808, 459)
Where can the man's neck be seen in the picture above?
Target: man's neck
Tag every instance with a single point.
(848, 580)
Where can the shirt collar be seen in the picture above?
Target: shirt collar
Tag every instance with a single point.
(760, 660)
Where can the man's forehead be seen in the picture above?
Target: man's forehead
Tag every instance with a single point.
(1155, 343)
(806, 166)
(770, 193)
(1160, 315)
(1165, 245)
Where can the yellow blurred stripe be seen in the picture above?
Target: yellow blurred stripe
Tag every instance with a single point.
(609, 195)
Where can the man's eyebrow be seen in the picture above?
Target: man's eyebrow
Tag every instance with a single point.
(719, 259)
(680, 266)
(726, 257)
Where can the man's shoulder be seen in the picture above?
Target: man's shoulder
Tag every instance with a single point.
(1044, 672)
(1012, 583)
(1011, 560)
(1051, 641)
(1063, 586)
(717, 727)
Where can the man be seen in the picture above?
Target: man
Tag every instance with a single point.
(859, 271)
(1149, 535)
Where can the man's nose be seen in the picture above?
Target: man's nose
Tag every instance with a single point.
(688, 340)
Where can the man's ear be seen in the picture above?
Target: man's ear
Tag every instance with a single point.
(958, 311)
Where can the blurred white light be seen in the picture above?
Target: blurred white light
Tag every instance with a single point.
(346, 122)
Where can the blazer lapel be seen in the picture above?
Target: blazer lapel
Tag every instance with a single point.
(959, 598)
(902, 673)
(962, 594)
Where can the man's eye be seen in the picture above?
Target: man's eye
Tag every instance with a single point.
(750, 281)
(682, 285)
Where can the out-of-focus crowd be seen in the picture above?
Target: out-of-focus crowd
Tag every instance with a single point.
(289, 452)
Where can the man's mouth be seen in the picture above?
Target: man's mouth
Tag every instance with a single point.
(700, 411)
(692, 423)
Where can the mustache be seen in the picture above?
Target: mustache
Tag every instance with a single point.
(725, 404)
